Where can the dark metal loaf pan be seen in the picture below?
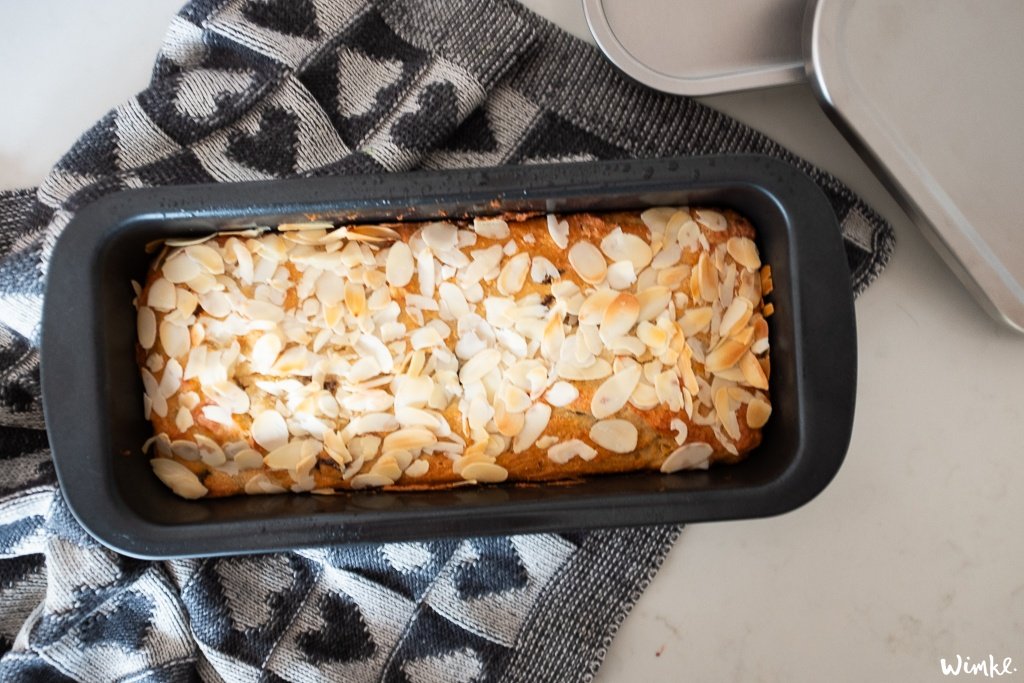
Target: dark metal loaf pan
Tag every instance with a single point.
(92, 391)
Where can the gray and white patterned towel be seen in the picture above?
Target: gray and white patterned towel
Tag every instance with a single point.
(253, 89)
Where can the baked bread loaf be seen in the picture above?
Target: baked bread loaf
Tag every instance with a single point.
(425, 355)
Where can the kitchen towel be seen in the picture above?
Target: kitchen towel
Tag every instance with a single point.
(256, 89)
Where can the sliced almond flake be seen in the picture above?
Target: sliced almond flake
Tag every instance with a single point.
(760, 346)
(594, 306)
(644, 397)
(416, 417)
(146, 327)
(712, 220)
(695, 320)
(207, 257)
(516, 400)
(215, 303)
(184, 449)
(263, 311)
(178, 478)
(248, 459)
(543, 271)
(409, 439)
(179, 268)
(561, 394)
(183, 419)
(174, 339)
(624, 246)
(666, 386)
(656, 218)
(372, 233)
(707, 278)
(619, 317)
(758, 412)
(513, 274)
(426, 273)
(369, 480)
(189, 241)
(726, 412)
(535, 422)
(689, 235)
(491, 228)
(244, 262)
(425, 338)
(185, 302)
(752, 371)
(588, 262)
(399, 267)
(681, 430)
(674, 277)
(654, 337)
(440, 236)
(210, 451)
(691, 456)
(508, 423)
(559, 231)
(553, 335)
(567, 450)
(591, 339)
(479, 365)
(355, 298)
(371, 347)
(725, 355)
(218, 414)
(418, 468)
(513, 341)
(269, 430)
(484, 473)
(454, 299)
(621, 275)
(170, 382)
(261, 485)
(617, 436)
(598, 370)
(667, 257)
(421, 302)
(627, 344)
(162, 296)
(614, 392)
(735, 317)
(387, 466)
(744, 252)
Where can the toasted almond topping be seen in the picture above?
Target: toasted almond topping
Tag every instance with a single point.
(688, 234)
(440, 236)
(758, 412)
(210, 451)
(543, 271)
(726, 413)
(178, 478)
(666, 386)
(657, 218)
(409, 439)
(744, 252)
(594, 306)
(207, 257)
(621, 275)
(559, 231)
(183, 419)
(179, 268)
(725, 355)
(372, 347)
(561, 394)
(162, 296)
(654, 337)
(567, 450)
(681, 430)
(695, 320)
(613, 393)
(269, 430)
(668, 256)
(491, 228)
(513, 274)
(623, 246)
(712, 220)
(599, 369)
(146, 327)
(248, 459)
(768, 310)
(674, 277)
(588, 262)
(735, 317)
(263, 311)
(369, 480)
(509, 423)
(174, 339)
(707, 278)
(355, 298)
(620, 316)
(653, 301)
(690, 456)
(399, 266)
(618, 436)
(418, 468)
(753, 373)
(644, 397)
(479, 365)
(484, 472)
(535, 422)
(184, 449)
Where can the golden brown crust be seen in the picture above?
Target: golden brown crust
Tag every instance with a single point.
(656, 434)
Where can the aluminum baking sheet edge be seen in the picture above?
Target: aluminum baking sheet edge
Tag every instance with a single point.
(701, 47)
(930, 93)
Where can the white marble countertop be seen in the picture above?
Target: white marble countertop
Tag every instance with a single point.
(915, 550)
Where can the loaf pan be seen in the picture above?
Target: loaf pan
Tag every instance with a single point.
(92, 393)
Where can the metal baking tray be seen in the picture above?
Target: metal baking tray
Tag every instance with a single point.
(931, 97)
(701, 47)
(92, 391)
